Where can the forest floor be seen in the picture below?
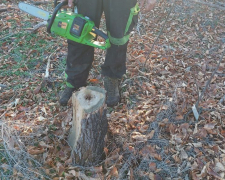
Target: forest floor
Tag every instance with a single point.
(170, 122)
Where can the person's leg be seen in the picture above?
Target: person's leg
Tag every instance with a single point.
(80, 57)
(121, 17)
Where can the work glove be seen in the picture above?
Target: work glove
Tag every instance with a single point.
(148, 5)
(70, 2)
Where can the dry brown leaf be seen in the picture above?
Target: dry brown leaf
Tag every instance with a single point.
(142, 59)
(183, 154)
(176, 158)
(179, 117)
(151, 176)
(60, 169)
(151, 134)
(172, 129)
(219, 167)
(143, 128)
(222, 132)
(73, 172)
(35, 150)
(145, 151)
(95, 81)
(138, 136)
(152, 166)
(202, 133)
(176, 139)
(197, 145)
(212, 173)
(98, 169)
(106, 151)
(37, 89)
(42, 144)
(114, 171)
(157, 156)
(210, 126)
(157, 177)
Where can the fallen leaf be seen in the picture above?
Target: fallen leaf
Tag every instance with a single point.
(95, 81)
(35, 150)
(152, 166)
(210, 126)
(214, 174)
(219, 167)
(98, 169)
(42, 144)
(106, 151)
(151, 176)
(151, 134)
(114, 171)
(60, 168)
(139, 137)
(198, 144)
(183, 154)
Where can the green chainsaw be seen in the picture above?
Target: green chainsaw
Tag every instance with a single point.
(70, 25)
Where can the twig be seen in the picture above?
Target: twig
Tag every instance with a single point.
(37, 26)
(9, 106)
(9, 35)
(161, 30)
(125, 167)
(209, 4)
(48, 64)
(209, 81)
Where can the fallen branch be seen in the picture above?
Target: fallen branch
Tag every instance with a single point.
(209, 81)
(48, 65)
(37, 26)
(160, 33)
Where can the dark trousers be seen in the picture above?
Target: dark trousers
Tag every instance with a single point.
(80, 57)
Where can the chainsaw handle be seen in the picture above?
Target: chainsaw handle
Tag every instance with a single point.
(99, 33)
(57, 8)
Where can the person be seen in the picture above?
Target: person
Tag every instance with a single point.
(121, 16)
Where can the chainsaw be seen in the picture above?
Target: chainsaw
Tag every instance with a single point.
(70, 25)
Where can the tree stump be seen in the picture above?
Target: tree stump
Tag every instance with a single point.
(89, 126)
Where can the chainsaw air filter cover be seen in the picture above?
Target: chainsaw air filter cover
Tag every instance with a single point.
(77, 26)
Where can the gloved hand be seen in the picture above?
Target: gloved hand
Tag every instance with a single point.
(70, 2)
(147, 4)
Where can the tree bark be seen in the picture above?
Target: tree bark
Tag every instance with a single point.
(89, 125)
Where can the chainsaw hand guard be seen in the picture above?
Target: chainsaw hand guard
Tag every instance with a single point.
(57, 8)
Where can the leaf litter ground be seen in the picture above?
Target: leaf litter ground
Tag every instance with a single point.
(153, 133)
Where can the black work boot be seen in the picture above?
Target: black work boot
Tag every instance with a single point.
(112, 88)
(65, 96)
